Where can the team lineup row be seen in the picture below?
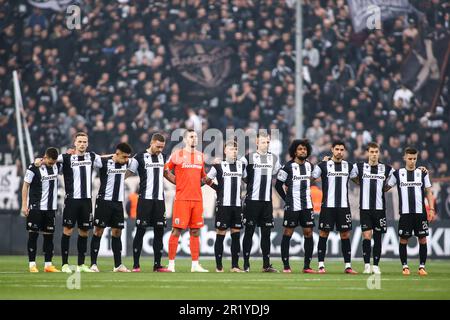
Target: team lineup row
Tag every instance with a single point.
(186, 169)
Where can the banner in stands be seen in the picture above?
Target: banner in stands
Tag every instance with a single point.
(204, 68)
(424, 67)
(9, 188)
(363, 10)
(57, 5)
(13, 240)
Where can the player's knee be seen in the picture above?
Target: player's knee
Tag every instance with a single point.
(98, 232)
(235, 230)
(221, 232)
(404, 240)
(367, 235)
(423, 240)
(194, 232)
(116, 233)
(345, 235)
(307, 232)
(83, 233)
(288, 232)
(323, 233)
(68, 231)
(176, 232)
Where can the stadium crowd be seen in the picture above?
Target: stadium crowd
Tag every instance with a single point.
(113, 79)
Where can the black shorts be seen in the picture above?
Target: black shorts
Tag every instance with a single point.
(41, 220)
(304, 218)
(150, 213)
(79, 212)
(228, 217)
(341, 217)
(258, 213)
(416, 222)
(108, 214)
(373, 220)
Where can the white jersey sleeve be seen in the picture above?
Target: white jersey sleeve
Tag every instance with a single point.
(354, 172)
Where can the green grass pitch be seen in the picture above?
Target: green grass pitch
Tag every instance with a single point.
(17, 283)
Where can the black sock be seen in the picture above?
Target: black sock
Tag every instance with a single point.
(158, 245)
(116, 245)
(95, 246)
(65, 242)
(366, 250)
(376, 247)
(347, 250)
(82, 248)
(218, 250)
(285, 241)
(48, 247)
(137, 246)
(235, 249)
(423, 251)
(403, 254)
(308, 247)
(32, 245)
(265, 245)
(322, 248)
(247, 244)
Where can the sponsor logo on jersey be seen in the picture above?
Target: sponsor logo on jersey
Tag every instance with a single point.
(232, 174)
(373, 176)
(191, 166)
(117, 171)
(154, 165)
(80, 163)
(301, 177)
(337, 174)
(410, 184)
(262, 166)
(49, 177)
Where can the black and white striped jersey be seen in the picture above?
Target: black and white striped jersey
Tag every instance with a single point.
(372, 180)
(77, 171)
(259, 169)
(150, 169)
(411, 186)
(229, 177)
(297, 178)
(112, 180)
(335, 177)
(43, 192)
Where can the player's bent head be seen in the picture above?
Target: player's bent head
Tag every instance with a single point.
(301, 148)
(51, 155)
(158, 137)
(157, 143)
(410, 150)
(124, 147)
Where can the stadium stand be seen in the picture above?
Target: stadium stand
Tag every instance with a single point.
(113, 78)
